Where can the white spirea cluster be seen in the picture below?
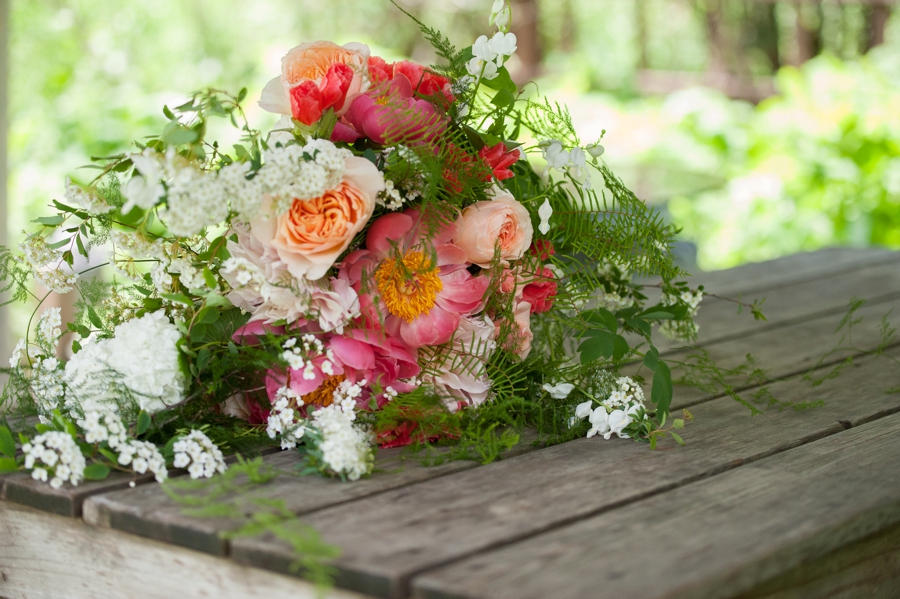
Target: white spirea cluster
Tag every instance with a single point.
(196, 199)
(299, 357)
(101, 423)
(283, 418)
(390, 197)
(78, 197)
(616, 412)
(142, 355)
(45, 376)
(47, 265)
(299, 172)
(196, 452)
(143, 456)
(687, 329)
(346, 447)
(54, 454)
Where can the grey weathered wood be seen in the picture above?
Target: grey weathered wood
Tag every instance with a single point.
(755, 277)
(19, 487)
(712, 539)
(149, 512)
(390, 537)
(788, 350)
(866, 568)
(43, 556)
(785, 304)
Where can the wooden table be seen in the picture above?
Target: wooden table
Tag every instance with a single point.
(784, 504)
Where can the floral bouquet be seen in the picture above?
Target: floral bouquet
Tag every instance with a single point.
(421, 255)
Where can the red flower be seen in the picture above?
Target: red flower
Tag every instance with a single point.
(309, 99)
(380, 70)
(499, 160)
(542, 248)
(540, 291)
(425, 82)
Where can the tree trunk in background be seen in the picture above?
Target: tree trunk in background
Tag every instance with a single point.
(761, 31)
(878, 18)
(809, 24)
(717, 37)
(4, 94)
(528, 36)
(640, 17)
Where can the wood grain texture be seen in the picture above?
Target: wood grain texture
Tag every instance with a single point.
(390, 537)
(869, 568)
(44, 556)
(790, 303)
(712, 539)
(149, 512)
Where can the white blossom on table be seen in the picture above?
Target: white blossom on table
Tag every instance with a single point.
(196, 452)
(54, 454)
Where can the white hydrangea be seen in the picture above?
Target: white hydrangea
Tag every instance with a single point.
(143, 456)
(54, 454)
(196, 452)
(76, 196)
(143, 355)
(47, 265)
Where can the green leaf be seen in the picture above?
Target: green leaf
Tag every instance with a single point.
(620, 347)
(210, 278)
(96, 472)
(42, 428)
(600, 344)
(178, 298)
(178, 135)
(604, 318)
(109, 455)
(94, 318)
(143, 422)
(651, 358)
(23, 439)
(657, 315)
(7, 444)
(169, 114)
(501, 82)
(242, 94)
(76, 346)
(8, 465)
(678, 423)
(207, 315)
(661, 391)
(503, 98)
(641, 325)
(50, 221)
(677, 438)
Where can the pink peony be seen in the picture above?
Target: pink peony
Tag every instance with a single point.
(380, 360)
(390, 114)
(540, 291)
(469, 385)
(419, 291)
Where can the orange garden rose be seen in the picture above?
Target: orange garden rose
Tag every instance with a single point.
(313, 68)
(310, 236)
(502, 222)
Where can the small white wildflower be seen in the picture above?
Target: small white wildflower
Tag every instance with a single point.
(199, 454)
(545, 212)
(60, 455)
(76, 196)
(559, 391)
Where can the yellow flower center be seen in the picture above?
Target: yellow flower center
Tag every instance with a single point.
(324, 395)
(408, 286)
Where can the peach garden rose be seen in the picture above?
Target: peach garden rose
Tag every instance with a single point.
(311, 234)
(485, 225)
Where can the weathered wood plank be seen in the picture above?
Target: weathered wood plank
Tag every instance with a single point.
(19, 487)
(149, 512)
(390, 537)
(44, 556)
(786, 304)
(867, 568)
(789, 270)
(715, 538)
(788, 350)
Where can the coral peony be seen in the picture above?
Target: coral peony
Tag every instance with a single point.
(499, 160)
(501, 223)
(316, 76)
(540, 291)
(418, 290)
(383, 362)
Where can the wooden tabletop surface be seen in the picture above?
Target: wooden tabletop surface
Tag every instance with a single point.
(788, 503)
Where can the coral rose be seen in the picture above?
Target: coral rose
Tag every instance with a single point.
(502, 222)
(310, 236)
(540, 291)
(316, 76)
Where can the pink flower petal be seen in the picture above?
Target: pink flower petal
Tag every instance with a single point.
(390, 227)
(353, 353)
(434, 328)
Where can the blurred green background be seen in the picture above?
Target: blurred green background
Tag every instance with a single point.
(760, 127)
